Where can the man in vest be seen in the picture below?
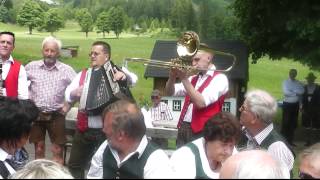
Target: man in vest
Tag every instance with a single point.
(88, 134)
(257, 113)
(13, 77)
(49, 79)
(204, 94)
(127, 154)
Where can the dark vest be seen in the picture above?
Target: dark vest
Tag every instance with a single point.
(133, 168)
(200, 174)
(274, 136)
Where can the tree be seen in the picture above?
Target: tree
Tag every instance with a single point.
(52, 21)
(85, 20)
(282, 28)
(116, 15)
(4, 14)
(30, 15)
(103, 23)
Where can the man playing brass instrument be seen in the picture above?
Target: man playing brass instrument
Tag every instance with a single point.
(89, 133)
(204, 94)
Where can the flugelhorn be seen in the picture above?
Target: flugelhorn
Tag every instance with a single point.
(187, 46)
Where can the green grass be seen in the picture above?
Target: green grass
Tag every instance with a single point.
(266, 74)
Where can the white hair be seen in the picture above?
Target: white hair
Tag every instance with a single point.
(52, 39)
(255, 168)
(262, 104)
(312, 155)
(42, 169)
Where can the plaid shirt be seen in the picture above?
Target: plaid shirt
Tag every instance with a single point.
(48, 85)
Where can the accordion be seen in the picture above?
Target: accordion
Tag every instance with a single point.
(100, 89)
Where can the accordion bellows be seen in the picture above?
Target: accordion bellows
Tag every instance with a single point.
(100, 89)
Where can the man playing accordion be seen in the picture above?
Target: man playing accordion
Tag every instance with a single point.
(90, 87)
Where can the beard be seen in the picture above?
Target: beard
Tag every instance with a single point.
(50, 60)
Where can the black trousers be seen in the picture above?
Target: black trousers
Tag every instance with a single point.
(290, 116)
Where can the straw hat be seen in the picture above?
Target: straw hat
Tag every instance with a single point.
(311, 76)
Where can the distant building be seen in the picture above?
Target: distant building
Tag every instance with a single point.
(238, 76)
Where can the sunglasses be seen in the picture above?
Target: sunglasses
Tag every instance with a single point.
(303, 175)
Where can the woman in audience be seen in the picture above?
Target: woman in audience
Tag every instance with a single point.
(203, 157)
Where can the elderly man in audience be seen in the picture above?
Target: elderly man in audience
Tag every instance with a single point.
(257, 113)
(203, 157)
(310, 162)
(49, 79)
(127, 153)
(253, 164)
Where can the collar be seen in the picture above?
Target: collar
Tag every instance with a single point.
(4, 155)
(57, 65)
(211, 72)
(263, 134)
(142, 146)
(10, 60)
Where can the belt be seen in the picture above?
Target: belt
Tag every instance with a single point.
(49, 112)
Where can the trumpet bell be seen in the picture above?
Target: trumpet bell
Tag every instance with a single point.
(188, 45)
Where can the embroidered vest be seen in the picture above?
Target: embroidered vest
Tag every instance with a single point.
(200, 174)
(82, 117)
(12, 79)
(133, 168)
(201, 116)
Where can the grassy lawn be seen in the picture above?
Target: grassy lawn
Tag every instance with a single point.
(266, 74)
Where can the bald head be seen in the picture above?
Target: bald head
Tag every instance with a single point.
(253, 164)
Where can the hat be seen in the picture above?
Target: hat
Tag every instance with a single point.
(311, 76)
(155, 92)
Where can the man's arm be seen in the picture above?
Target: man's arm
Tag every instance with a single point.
(23, 90)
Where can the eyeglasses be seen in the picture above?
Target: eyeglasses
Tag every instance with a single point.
(94, 54)
(154, 97)
(303, 175)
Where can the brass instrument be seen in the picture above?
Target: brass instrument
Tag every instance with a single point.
(187, 46)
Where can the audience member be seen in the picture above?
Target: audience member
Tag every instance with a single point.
(16, 117)
(253, 164)
(89, 136)
(127, 153)
(203, 157)
(204, 93)
(13, 77)
(310, 108)
(292, 90)
(309, 167)
(42, 169)
(49, 79)
(257, 113)
(159, 111)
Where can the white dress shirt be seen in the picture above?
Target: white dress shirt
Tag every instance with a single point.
(292, 90)
(156, 167)
(278, 149)
(218, 86)
(23, 92)
(3, 156)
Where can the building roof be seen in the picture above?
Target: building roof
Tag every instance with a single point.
(166, 50)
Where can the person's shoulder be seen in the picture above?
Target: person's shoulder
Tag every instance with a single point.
(33, 63)
(65, 66)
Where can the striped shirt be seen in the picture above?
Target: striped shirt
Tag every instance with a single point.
(161, 112)
(278, 149)
(48, 85)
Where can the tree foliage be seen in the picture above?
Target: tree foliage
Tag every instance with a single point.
(103, 23)
(85, 20)
(53, 21)
(282, 28)
(30, 15)
(116, 15)
(4, 14)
